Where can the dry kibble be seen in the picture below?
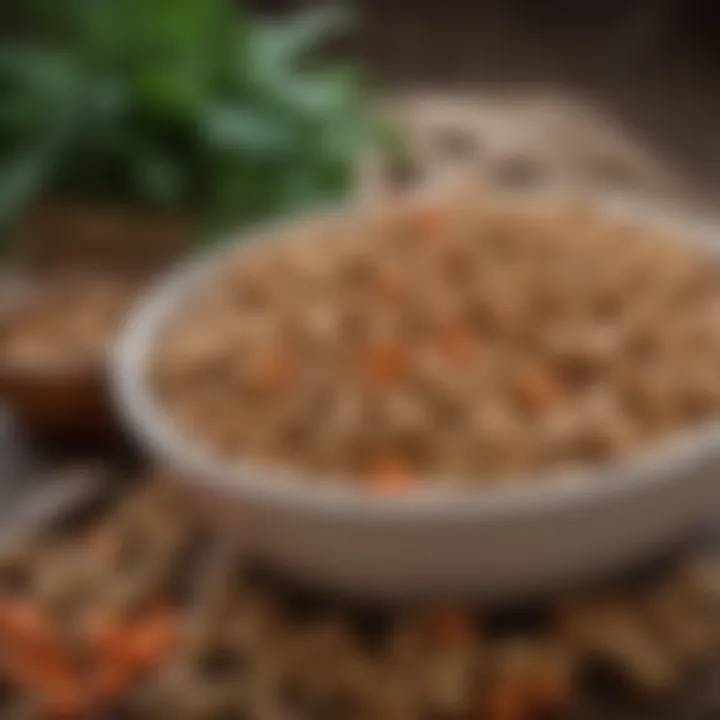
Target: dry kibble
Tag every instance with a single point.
(454, 629)
(244, 645)
(552, 679)
(18, 565)
(326, 667)
(415, 336)
(185, 695)
(684, 629)
(449, 682)
(74, 323)
(616, 634)
(64, 582)
(701, 579)
(395, 697)
(507, 693)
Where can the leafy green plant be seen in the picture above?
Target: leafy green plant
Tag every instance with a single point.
(187, 104)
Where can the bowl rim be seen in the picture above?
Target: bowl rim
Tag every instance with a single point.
(529, 494)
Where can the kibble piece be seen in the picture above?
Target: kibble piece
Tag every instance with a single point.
(507, 695)
(17, 568)
(689, 634)
(617, 635)
(73, 323)
(701, 578)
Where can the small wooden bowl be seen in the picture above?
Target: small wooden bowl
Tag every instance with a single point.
(56, 391)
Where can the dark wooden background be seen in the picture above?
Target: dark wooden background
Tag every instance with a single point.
(655, 64)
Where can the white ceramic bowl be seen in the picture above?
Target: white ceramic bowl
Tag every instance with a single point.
(489, 545)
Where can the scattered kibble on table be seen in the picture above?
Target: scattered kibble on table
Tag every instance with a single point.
(86, 627)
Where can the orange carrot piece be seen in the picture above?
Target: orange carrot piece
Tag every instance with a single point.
(33, 657)
(128, 650)
(67, 700)
(28, 668)
(390, 477)
(24, 627)
(537, 389)
(276, 372)
(386, 363)
(106, 635)
(153, 638)
(22, 621)
(142, 643)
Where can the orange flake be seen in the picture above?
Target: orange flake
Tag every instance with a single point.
(391, 476)
(386, 363)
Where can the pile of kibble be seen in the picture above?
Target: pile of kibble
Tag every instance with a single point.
(140, 613)
(66, 324)
(472, 340)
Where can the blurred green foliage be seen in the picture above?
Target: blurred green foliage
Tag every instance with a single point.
(188, 104)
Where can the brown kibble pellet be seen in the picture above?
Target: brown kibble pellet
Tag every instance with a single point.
(243, 646)
(684, 630)
(552, 679)
(617, 635)
(74, 323)
(507, 696)
(452, 628)
(275, 372)
(385, 363)
(701, 579)
(458, 345)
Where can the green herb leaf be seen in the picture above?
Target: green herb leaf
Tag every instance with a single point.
(190, 104)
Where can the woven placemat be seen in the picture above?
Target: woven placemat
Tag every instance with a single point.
(516, 141)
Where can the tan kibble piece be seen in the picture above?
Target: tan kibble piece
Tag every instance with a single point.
(447, 658)
(533, 674)
(191, 696)
(685, 630)
(615, 633)
(701, 578)
(74, 323)
(506, 696)
(18, 565)
(65, 583)
(553, 682)
(449, 682)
